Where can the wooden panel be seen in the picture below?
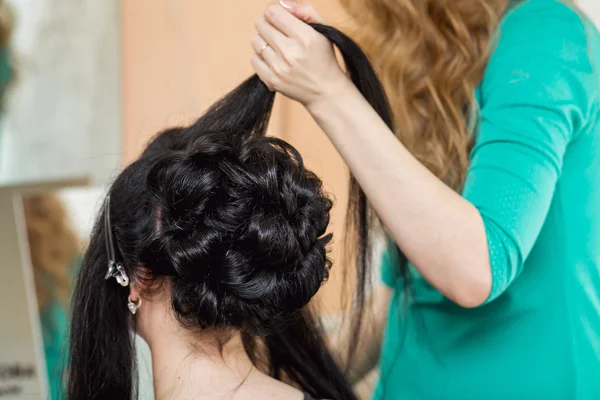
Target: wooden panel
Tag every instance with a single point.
(179, 56)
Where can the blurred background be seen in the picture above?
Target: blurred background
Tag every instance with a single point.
(83, 85)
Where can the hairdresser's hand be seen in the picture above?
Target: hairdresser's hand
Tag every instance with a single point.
(294, 59)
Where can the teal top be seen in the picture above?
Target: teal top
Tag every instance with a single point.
(535, 179)
(54, 323)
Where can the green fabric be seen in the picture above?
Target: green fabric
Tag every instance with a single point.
(535, 178)
(54, 321)
(6, 72)
(6, 78)
(54, 331)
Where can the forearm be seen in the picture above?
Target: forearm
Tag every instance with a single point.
(441, 233)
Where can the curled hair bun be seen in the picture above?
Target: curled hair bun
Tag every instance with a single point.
(241, 228)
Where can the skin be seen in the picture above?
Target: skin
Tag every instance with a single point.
(441, 233)
(199, 365)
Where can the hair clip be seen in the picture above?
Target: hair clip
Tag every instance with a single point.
(118, 272)
(115, 269)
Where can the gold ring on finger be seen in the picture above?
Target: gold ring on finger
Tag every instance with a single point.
(262, 49)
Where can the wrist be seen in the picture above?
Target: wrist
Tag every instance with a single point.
(332, 96)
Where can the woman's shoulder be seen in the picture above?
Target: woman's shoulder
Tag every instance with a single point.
(563, 8)
(550, 23)
(547, 52)
(556, 26)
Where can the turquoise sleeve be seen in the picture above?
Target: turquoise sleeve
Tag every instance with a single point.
(534, 100)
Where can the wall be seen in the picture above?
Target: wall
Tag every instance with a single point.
(592, 8)
(62, 117)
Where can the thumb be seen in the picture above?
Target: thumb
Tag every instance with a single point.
(303, 11)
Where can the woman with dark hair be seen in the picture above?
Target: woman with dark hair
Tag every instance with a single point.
(210, 246)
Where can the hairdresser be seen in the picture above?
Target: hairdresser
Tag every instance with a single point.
(489, 185)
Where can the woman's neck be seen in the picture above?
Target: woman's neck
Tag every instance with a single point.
(200, 368)
(189, 365)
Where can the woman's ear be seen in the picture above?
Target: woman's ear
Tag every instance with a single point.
(140, 284)
(144, 281)
(137, 286)
(134, 292)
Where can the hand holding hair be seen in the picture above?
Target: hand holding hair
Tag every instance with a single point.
(293, 58)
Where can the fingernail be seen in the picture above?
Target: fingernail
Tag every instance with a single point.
(287, 4)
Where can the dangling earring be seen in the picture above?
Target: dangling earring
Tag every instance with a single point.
(133, 307)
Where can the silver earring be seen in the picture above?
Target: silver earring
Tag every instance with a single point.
(133, 307)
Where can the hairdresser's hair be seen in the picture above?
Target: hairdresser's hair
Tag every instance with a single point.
(236, 224)
(7, 23)
(431, 55)
(53, 246)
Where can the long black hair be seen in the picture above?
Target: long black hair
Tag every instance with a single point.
(237, 224)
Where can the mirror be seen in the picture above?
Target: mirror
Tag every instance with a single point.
(22, 359)
(46, 232)
(55, 224)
